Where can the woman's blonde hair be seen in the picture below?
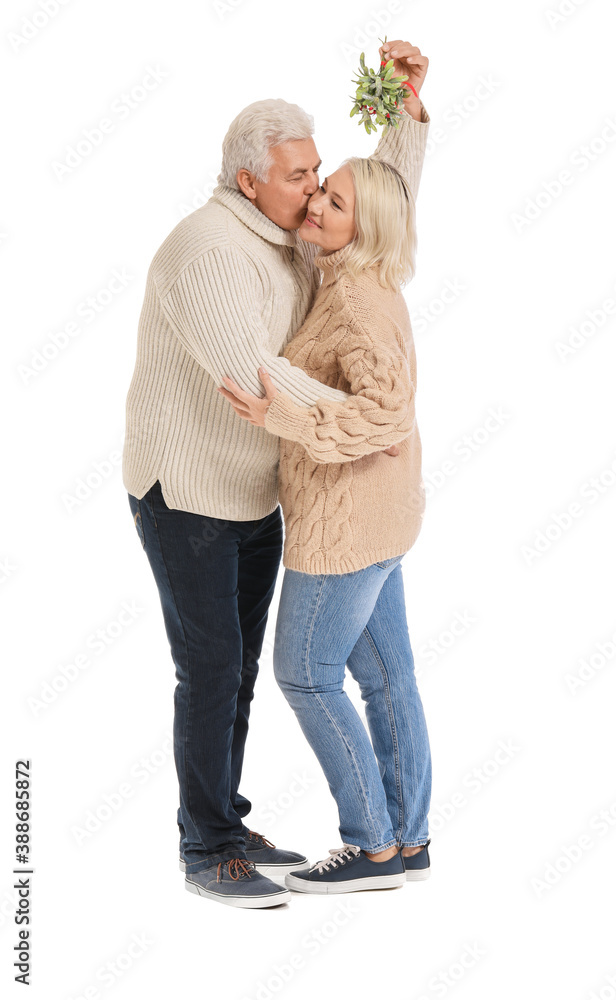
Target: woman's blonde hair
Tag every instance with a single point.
(385, 221)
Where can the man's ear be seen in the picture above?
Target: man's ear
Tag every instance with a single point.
(246, 183)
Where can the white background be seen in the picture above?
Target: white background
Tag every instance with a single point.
(519, 902)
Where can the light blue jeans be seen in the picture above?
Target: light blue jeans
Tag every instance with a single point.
(329, 621)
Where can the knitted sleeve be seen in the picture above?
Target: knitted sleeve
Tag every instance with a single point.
(379, 413)
(405, 147)
(214, 307)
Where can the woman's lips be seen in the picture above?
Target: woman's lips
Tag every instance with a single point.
(310, 222)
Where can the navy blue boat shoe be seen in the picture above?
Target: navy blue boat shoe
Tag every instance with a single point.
(268, 860)
(348, 869)
(418, 865)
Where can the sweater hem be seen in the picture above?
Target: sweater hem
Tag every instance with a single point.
(233, 509)
(321, 563)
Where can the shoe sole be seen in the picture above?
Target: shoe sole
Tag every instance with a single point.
(353, 885)
(418, 875)
(247, 902)
(270, 871)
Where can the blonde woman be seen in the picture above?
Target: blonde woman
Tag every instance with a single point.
(351, 512)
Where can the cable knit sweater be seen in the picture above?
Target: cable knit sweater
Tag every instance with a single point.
(347, 505)
(225, 293)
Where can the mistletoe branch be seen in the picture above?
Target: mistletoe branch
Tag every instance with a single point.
(378, 94)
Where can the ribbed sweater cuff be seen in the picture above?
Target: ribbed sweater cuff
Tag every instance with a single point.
(417, 130)
(425, 117)
(285, 419)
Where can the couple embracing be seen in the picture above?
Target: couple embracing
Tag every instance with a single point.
(275, 378)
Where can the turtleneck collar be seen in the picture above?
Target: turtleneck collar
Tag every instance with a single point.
(246, 212)
(328, 262)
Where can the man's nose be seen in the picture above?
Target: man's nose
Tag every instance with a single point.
(312, 185)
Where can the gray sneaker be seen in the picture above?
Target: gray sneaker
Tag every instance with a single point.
(237, 883)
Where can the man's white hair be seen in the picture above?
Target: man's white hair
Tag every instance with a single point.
(252, 134)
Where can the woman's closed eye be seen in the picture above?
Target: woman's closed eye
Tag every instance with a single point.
(333, 202)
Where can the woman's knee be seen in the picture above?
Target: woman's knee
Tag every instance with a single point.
(285, 670)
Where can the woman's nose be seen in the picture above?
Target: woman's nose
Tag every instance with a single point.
(314, 204)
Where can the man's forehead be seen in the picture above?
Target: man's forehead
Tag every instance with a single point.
(298, 154)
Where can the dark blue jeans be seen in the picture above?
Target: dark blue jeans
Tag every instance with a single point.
(216, 580)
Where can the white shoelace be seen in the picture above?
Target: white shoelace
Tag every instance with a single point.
(337, 855)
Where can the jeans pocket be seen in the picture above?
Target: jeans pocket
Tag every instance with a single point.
(135, 506)
(386, 563)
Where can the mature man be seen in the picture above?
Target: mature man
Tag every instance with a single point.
(225, 292)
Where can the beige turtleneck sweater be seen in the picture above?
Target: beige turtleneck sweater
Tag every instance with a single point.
(225, 293)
